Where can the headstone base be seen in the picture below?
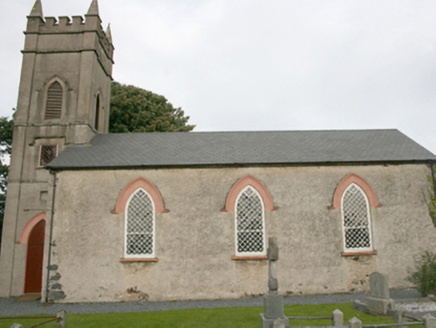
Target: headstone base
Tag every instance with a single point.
(274, 306)
(273, 323)
(360, 306)
(379, 305)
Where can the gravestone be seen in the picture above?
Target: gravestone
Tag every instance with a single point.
(61, 318)
(354, 323)
(274, 316)
(337, 318)
(430, 321)
(379, 301)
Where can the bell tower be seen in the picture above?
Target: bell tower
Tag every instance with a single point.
(64, 99)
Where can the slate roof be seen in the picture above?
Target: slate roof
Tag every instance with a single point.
(241, 148)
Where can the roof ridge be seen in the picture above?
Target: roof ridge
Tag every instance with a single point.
(250, 131)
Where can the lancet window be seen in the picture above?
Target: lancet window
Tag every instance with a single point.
(250, 223)
(97, 112)
(356, 220)
(140, 225)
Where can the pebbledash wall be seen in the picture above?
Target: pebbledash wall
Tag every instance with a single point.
(195, 237)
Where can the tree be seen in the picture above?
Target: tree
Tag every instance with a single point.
(138, 110)
(6, 128)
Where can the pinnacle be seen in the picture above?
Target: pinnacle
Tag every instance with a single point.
(108, 33)
(93, 8)
(37, 9)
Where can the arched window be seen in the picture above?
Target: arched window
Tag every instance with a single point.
(139, 200)
(53, 107)
(250, 223)
(97, 111)
(356, 220)
(140, 225)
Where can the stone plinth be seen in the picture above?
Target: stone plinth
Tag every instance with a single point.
(379, 305)
(274, 306)
(273, 323)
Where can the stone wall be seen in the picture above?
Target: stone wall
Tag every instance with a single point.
(78, 55)
(195, 240)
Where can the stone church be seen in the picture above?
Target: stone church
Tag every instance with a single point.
(92, 216)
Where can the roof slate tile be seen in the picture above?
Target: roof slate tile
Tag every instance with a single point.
(230, 148)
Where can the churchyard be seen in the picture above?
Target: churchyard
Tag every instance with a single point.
(219, 317)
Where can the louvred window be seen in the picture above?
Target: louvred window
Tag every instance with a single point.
(53, 106)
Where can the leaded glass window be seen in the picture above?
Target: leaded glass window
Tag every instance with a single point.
(356, 220)
(250, 223)
(140, 225)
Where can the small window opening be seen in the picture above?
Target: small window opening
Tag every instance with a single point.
(48, 153)
(97, 112)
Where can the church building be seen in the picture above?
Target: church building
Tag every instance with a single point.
(92, 216)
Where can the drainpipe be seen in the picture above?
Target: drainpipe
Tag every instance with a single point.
(51, 234)
(430, 162)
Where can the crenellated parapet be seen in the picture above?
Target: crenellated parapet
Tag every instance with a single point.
(76, 34)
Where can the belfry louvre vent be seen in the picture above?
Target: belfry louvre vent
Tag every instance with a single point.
(54, 101)
(48, 153)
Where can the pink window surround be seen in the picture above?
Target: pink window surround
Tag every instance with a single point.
(131, 188)
(29, 226)
(241, 184)
(255, 258)
(362, 183)
(364, 253)
(131, 260)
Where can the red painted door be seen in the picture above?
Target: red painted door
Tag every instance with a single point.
(35, 254)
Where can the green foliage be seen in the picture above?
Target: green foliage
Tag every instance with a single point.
(6, 128)
(137, 110)
(425, 275)
(432, 205)
(220, 317)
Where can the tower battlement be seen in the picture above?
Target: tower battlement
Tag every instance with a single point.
(76, 31)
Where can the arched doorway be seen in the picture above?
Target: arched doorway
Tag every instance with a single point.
(35, 254)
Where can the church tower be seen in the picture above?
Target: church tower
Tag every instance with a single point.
(64, 99)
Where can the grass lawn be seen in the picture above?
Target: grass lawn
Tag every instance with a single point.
(221, 317)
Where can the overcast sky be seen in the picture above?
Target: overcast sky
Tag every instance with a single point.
(264, 65)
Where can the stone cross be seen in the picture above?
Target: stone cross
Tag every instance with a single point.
(273, 256)
(274, 316)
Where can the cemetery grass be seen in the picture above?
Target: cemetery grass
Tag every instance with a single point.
(219, 317)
